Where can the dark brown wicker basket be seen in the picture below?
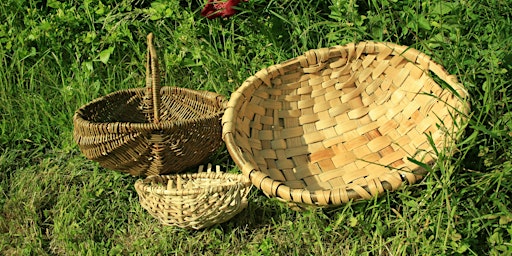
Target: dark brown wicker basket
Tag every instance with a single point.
(152, 130)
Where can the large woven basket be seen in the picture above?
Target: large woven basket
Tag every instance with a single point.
(342, 123)
(152, 130)
(194, 200)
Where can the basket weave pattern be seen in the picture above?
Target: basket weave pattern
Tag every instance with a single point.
(152, 130)
(340, 123)
(194, 201)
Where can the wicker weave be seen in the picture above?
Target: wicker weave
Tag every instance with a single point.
(196, 200)
(152, 130)
(342, 123)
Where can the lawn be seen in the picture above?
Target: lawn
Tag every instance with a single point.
(56, 56)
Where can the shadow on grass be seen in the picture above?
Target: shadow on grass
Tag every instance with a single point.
(260, 212)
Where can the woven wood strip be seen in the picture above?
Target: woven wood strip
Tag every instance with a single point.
(194, 200)
(340, 123)
(152, 130)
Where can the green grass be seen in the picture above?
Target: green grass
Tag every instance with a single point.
(56, 56)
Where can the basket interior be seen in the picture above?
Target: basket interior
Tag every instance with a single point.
(127, 106)
(346, 122)
(188, 182)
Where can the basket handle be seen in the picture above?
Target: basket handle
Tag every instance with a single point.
(153, 80)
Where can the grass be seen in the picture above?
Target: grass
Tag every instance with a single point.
(56, 56)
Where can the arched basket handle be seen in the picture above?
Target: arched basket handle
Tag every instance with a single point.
(152, 98)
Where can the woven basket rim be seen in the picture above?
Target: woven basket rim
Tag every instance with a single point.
(276, 188)
(78, 116)
(234, 180)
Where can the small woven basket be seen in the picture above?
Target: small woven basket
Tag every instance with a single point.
(152, 130)
(194, 200)
(342, 123)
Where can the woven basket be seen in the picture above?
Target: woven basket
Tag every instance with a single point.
(194, 201)
(152, 130)
(342, 123)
